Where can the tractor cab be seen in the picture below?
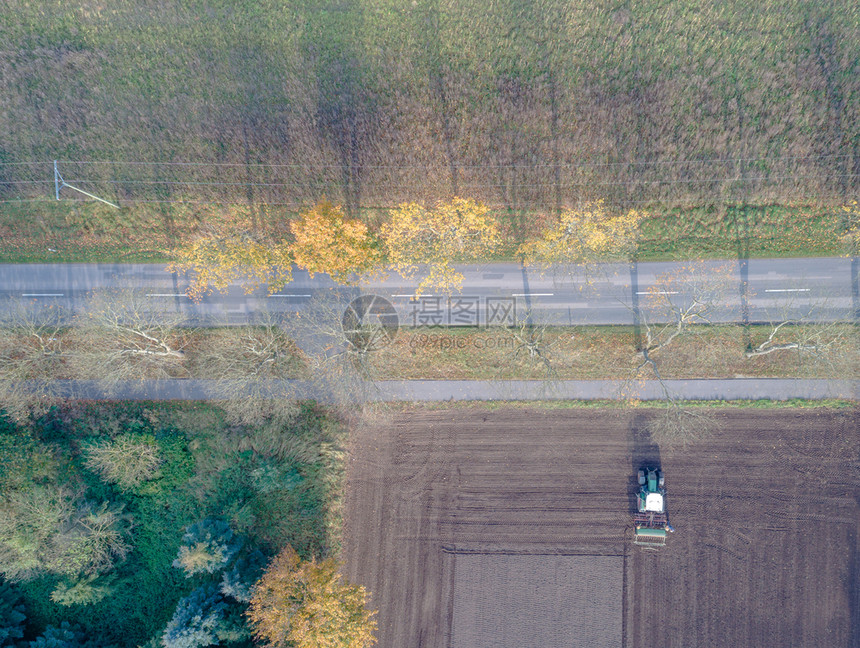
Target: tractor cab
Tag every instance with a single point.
(651, 491)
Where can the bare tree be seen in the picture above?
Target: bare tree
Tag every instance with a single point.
(681, 423)
(536, 346)
(673, 307)
(339, 338)
(253, 369)
(675, 304)
(817, 345)
(123, 338)
(32, 345)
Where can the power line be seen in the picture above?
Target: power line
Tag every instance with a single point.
(459, 166)
(549, 185)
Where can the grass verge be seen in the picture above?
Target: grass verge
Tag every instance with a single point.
(601, 353)
(76, 232)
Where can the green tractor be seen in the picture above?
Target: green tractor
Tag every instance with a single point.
(650, 522)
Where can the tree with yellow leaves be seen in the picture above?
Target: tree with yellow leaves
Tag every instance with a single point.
(327, 242)
(304, 604)
(218, 261)
(460, 230)
(584, 236)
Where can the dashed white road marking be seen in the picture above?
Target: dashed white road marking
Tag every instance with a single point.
(788, 289)
(290, 295)
(166, 295)
(658, 292)
(532, 294)
(42, 294)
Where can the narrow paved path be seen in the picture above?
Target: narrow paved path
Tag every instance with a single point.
(777, 389)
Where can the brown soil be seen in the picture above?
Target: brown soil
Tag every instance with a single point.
(765, 512)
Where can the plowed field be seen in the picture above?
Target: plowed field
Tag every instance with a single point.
(764, 554)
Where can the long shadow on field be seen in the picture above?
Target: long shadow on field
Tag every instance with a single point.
(643, 452)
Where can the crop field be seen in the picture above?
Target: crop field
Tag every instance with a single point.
(375, 102)
(512, 527)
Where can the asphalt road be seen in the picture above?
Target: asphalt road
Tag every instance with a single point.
(491, 293)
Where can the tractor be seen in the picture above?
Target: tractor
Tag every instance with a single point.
(650, 522)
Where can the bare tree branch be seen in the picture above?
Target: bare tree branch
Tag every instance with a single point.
(339, 337)
(121, 338)
(673, 307)
(247, 363)
(32, 353)
(831, 344)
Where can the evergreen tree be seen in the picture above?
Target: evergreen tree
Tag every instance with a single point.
(12, 615)
(65, 636)
(204, 618)
(238, 583)
(208, 546)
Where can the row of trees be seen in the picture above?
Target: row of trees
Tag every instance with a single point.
(459, 230)
(120, 337)
(250, 369)
(258, 372)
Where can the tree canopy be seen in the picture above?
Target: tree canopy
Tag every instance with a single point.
(305, 604)
(459, 230)
(584, 235)
(328, 242)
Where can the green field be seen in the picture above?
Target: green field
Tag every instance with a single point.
(371, 102)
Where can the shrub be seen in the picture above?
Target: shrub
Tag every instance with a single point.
(81, 592)
(177, 468)
(127, 461)
(95, 538)
(12, 615)
(238, 583)
(65, 636)
(268, 478)
(208, 546)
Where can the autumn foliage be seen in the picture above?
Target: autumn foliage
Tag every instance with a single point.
(218, 261)
(851, 234)
(585, 235)
(459, 230)
(304, 604)
(429, 239)
(327, 242)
